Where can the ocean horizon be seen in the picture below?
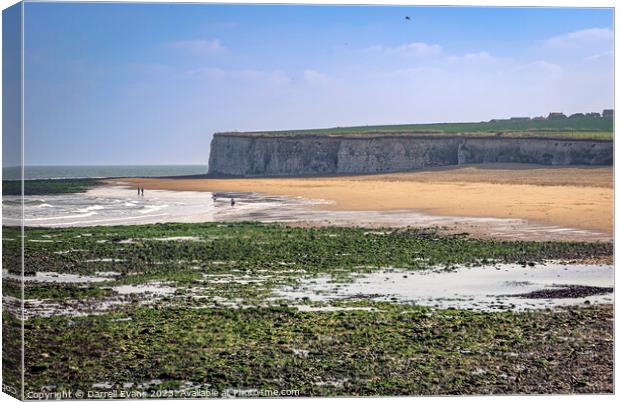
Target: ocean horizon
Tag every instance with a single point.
(100, 171)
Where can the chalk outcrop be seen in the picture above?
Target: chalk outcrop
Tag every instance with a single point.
(250, 155)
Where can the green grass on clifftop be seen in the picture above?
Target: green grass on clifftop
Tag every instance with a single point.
(576, 127)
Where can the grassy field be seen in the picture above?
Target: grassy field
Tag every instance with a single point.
(230, 336)
(577, 127)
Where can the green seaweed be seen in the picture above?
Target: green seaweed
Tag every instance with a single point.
(45, 186)
(223, 330)
(397, 350)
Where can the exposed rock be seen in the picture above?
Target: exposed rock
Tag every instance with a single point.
(248, 155)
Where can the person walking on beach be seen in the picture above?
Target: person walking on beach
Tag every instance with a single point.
(142, 190)
(138, 190)
(232, 202)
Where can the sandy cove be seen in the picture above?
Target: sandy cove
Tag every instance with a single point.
(575, 197)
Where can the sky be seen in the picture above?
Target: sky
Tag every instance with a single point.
(150, 83)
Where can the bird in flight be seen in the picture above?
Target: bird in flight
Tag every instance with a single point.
(408, 18)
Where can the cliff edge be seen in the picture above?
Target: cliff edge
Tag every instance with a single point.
(250, 155)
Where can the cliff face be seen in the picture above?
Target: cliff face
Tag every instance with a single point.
(239, 155)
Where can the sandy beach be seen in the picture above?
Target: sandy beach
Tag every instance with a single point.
(574, 197)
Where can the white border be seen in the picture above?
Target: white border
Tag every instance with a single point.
(483, 3)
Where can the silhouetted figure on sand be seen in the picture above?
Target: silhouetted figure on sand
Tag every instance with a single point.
(232, 202)
(142, 190)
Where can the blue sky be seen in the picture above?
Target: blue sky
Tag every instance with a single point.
(150, 83)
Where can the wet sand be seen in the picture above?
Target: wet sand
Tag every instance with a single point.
(572, 197)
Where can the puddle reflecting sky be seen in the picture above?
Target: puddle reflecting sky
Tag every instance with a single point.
(488, 288)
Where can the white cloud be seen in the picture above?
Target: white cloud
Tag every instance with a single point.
(149, 68)
(539, 66)
(413, 82)
(472, 57)
(599, 56)
(273, 76)
(314, 77)
(417, 71)
(413, 48)
(420, 48)
(584, 37)
(434, 52)
(198, 45)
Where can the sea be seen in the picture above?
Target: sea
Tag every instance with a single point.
(101, 171)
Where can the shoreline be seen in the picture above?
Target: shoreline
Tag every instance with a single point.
(572, 197)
